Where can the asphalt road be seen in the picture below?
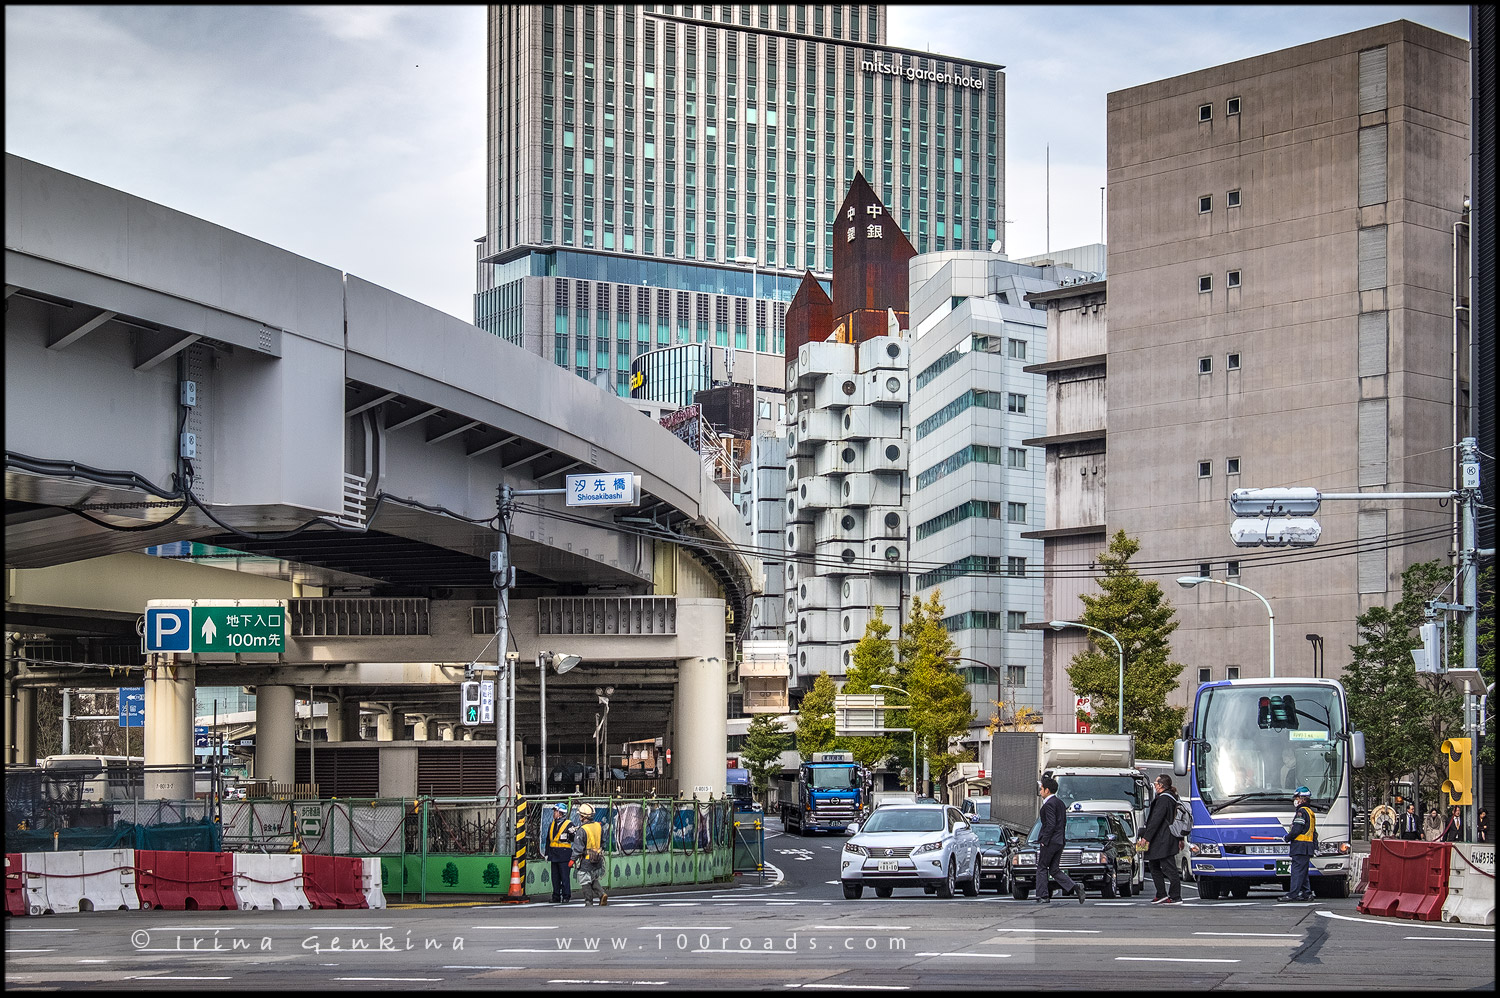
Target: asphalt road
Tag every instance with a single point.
(795, 931)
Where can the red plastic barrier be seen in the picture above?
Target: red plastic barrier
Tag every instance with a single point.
(1406, 879)
(333, 881)
(15, 889)
(185, 881)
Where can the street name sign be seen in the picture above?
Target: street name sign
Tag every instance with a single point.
(216, 627)
(132, 707)
(613, 488)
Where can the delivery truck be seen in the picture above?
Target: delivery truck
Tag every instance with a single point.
(1087, 768)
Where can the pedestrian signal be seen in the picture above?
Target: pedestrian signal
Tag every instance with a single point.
(1460, 770)
(468, 704)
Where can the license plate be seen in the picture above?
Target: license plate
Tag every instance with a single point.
(1283, 868)
(889, 865)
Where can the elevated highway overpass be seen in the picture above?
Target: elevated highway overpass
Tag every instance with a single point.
(343, 449)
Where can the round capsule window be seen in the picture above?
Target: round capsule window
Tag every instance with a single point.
(893, 384)
(892, 453)
(848, 455)
(893, 520)
(847, 521)
(892, 350)
(848, 556)
(892, 554)
(848, 387)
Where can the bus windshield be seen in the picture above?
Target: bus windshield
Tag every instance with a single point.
(1257, 744)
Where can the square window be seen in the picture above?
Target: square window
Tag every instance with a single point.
(1232, 570)
(1015, 512)
(1015, 676)
(1204, 675)
(1231, 672)
(1205, 112)
(1015, 620)
(1204, 569)
(1232, 199)
(1205, 204)
(1205, 469)
(1016, 349)
(1015, 457)
(1205, 365)
(1233, 362)
(1232, 106)
(1205, 284)
(1233, 279)
(1232, 466)
(1015, 567)
(1015, 403)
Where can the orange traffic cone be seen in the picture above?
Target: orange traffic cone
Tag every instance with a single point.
(517, 894)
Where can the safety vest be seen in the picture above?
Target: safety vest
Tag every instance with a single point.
(556, 835)
(1311, 835)
(593, 836)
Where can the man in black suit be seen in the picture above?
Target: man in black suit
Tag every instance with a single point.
(1051, 840)
(1411, 825)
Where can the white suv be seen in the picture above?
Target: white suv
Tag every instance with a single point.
(911, 845)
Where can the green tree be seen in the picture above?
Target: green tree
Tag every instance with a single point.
(815, 718)
(940, 705)
(1138, 614)
(764, 743)
(1405, 715)
(873, 664)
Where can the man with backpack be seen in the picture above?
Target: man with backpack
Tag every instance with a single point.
(1162, 838)
(588, 856)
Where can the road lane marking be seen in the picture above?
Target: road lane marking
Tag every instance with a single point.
(988, 956)
(520, 926)
(173, 978)
(1079, 931)
(379, 980)
(680, 904)
(1172, 959)
(853, 987)
(1446, 939)
(9, 929)
(704, 928)
(1257, 935)
(454, 966)
(8, 950)
(1397, 925)
(886, 928)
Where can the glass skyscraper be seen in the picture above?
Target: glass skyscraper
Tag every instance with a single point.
(640, 156)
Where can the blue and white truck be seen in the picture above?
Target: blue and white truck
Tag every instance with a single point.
(825, 795)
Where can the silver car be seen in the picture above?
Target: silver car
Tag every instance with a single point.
(911, 845)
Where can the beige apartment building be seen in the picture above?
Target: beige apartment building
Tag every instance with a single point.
(1281, 291)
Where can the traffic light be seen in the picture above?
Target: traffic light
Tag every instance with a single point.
(1460, 770)
(468, 703)
(1277, 712)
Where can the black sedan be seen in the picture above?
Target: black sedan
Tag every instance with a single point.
(994, 850)
(1099, 854)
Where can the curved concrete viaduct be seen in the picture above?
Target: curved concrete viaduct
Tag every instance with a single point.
(343, 443)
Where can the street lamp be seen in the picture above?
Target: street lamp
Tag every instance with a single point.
(561, 662)
(996, 673)
(1058, 625)
(897, 689)
(1189, 581)
(1316, 640)
(601, 723)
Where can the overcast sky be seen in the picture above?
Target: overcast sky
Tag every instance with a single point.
(355, 135)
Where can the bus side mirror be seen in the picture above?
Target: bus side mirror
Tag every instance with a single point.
(1357, 749)
(1180, 757)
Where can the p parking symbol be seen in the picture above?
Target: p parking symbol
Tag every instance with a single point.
(169, 629)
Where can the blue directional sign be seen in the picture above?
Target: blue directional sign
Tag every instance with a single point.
(132, 706)
(169, 629)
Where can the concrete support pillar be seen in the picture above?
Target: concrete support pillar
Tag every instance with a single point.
(384, 729)
(349, 719)
(169, 728)
(275, 734)
(702, 738)
(446, 733)
(419, 730)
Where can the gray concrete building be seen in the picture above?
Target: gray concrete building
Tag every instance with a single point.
(978, 488)
(1282, 313)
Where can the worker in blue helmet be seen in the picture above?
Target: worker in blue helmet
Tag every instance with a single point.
(1303, 839)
